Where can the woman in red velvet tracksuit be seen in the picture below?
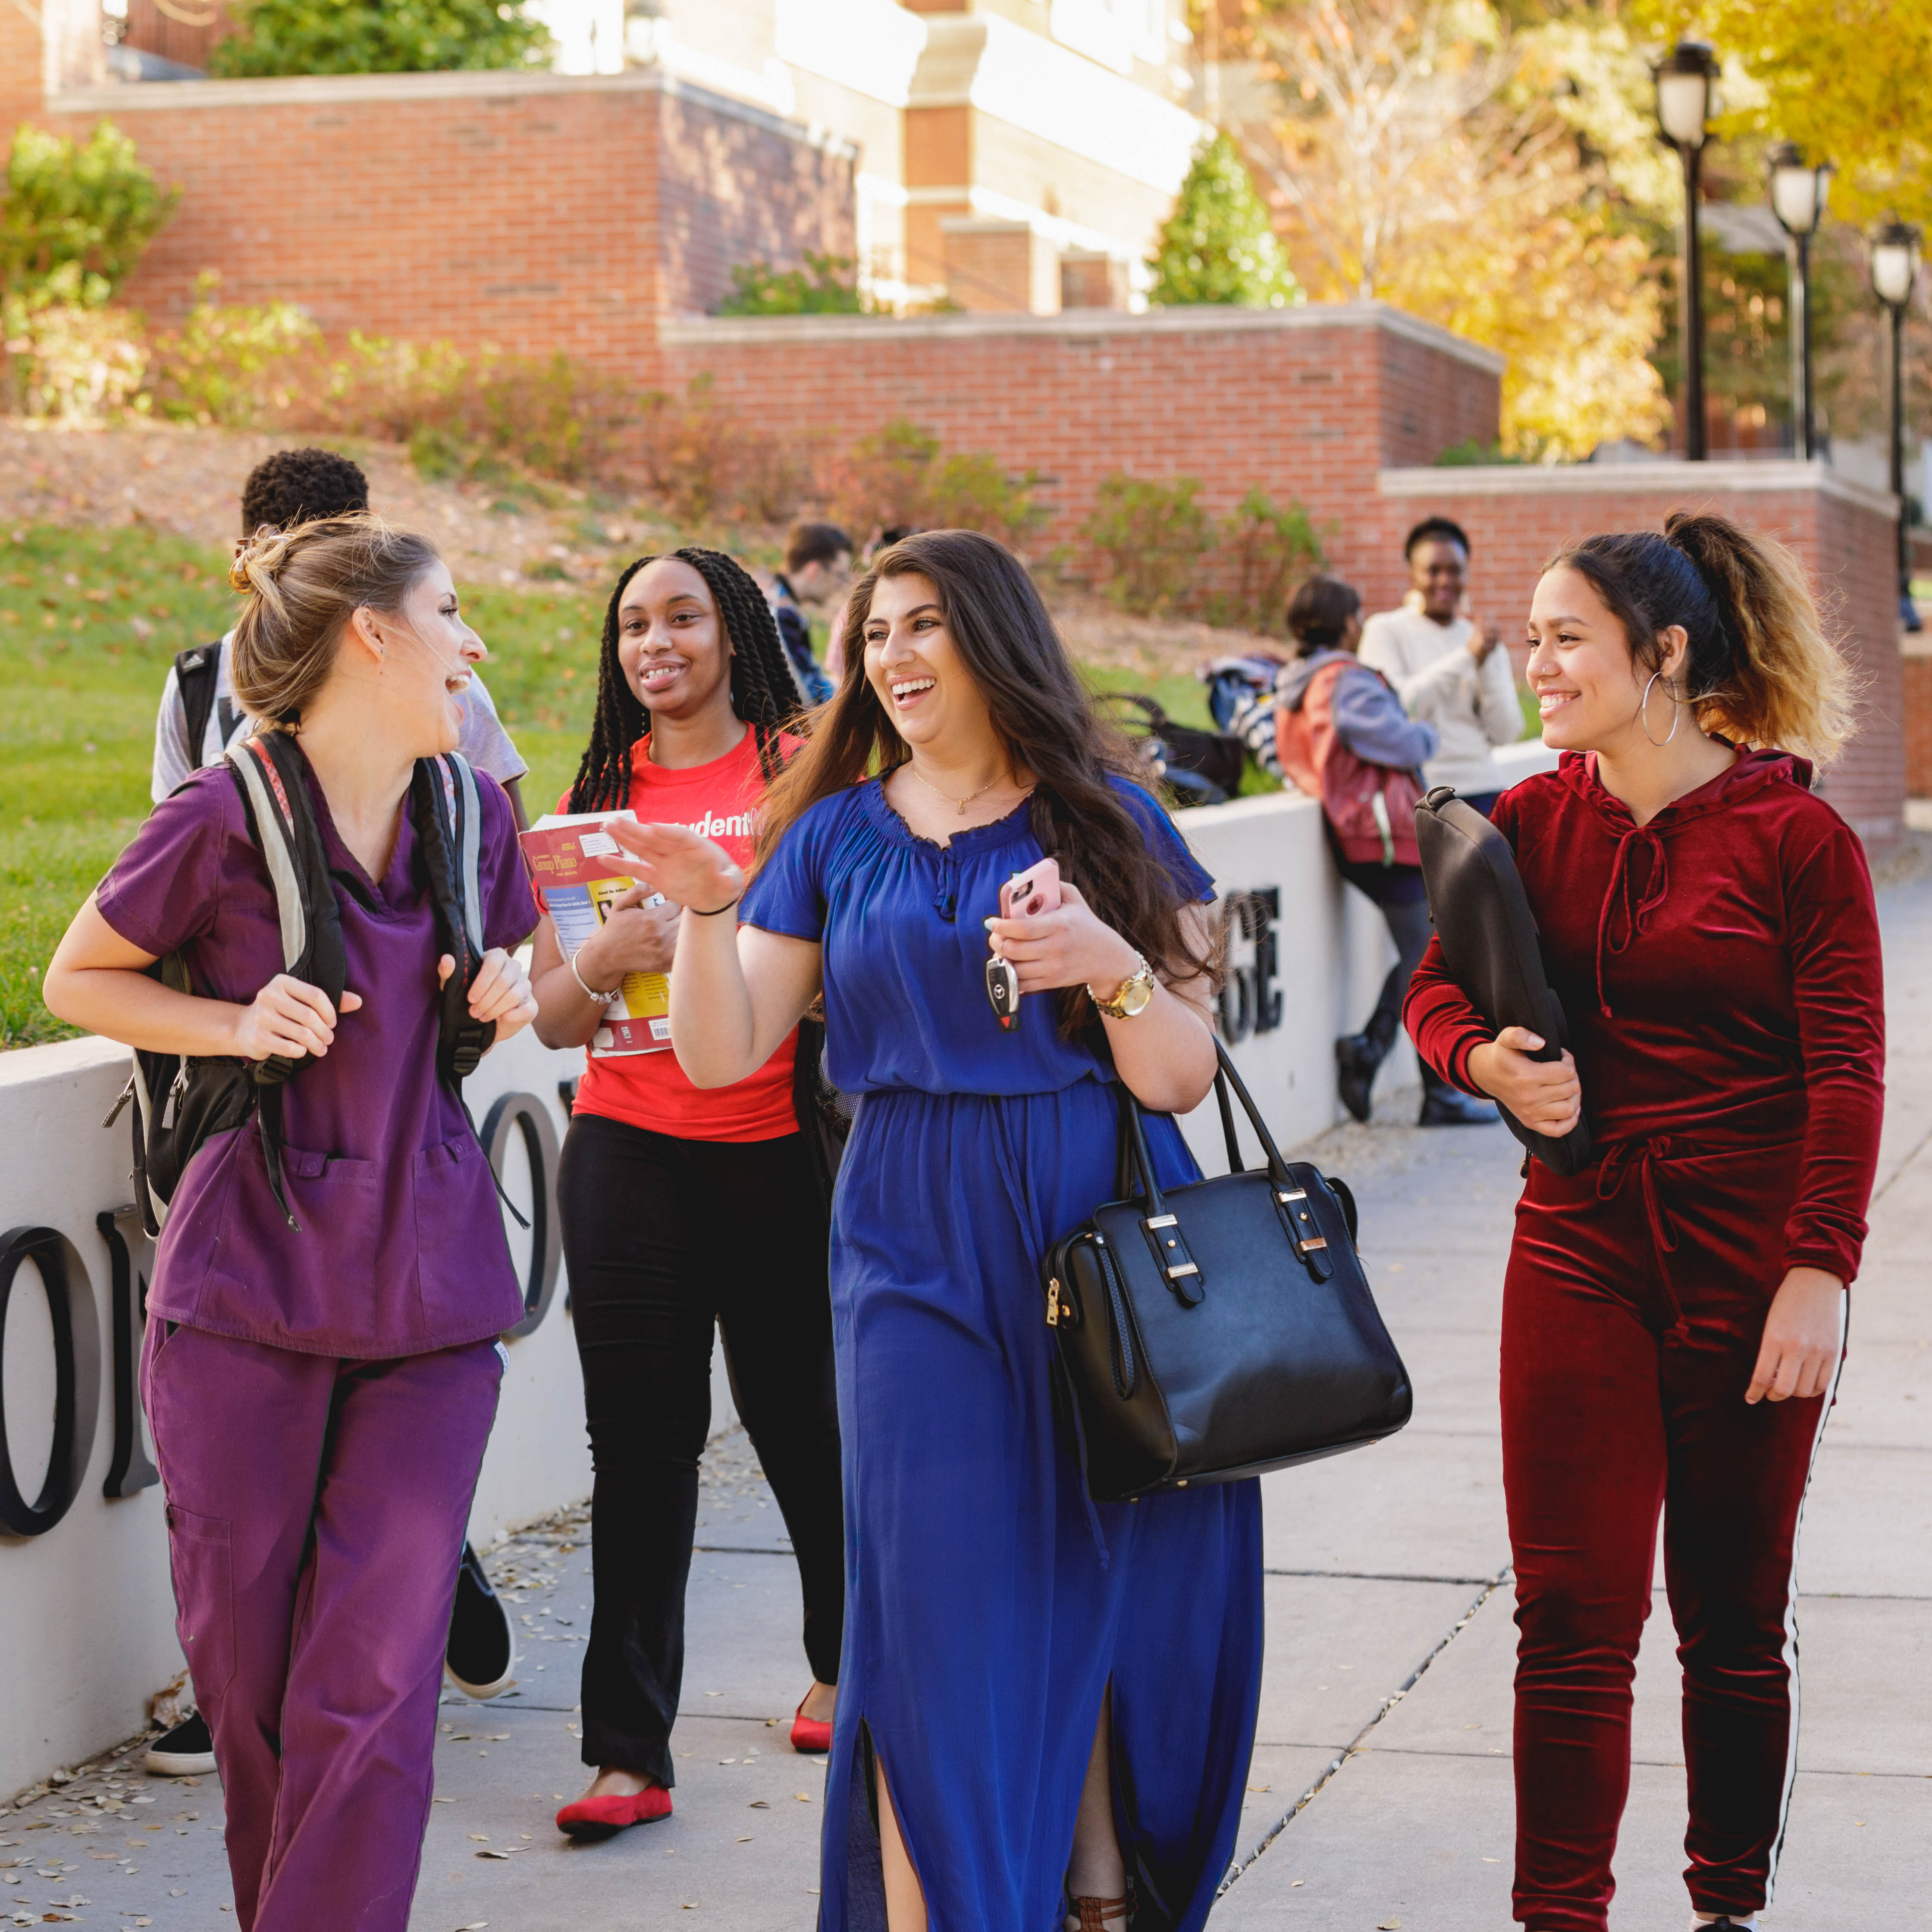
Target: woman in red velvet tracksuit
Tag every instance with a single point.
(1674, 1314)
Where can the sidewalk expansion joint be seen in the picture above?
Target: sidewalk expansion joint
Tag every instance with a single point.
(1489, 1586)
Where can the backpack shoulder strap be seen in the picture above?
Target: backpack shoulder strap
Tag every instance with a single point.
(444, 802)
(194, 678)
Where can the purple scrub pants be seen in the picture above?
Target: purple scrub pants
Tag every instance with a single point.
(316, 1515)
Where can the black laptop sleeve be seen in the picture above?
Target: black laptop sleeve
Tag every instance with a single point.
(1489, 940)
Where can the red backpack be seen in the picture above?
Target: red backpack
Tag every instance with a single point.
(1370, 809)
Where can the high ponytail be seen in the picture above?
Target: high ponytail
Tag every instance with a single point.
(1758, 669)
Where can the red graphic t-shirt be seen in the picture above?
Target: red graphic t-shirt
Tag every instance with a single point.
(719, 801)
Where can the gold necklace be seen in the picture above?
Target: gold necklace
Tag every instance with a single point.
(962, 803)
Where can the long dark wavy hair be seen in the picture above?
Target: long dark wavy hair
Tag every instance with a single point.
(764, 695)
(1047, 724)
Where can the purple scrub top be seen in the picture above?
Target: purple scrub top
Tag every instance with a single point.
(401, 1248)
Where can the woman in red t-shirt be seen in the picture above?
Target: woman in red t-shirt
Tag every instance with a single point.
(681, 1206)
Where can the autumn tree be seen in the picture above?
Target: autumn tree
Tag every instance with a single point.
(1425, 152)
(1219, 244)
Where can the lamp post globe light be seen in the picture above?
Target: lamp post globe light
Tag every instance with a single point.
(1686, 87)
(1798, 192)
(1895, 273)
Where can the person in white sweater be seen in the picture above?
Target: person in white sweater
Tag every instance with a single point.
(1448, 670)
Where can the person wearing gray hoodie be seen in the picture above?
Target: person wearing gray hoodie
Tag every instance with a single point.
(1363, 713)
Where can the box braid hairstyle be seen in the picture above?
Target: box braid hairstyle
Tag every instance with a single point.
(763, 694)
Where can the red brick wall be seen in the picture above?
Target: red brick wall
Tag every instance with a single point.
(1306, 405)
(1916, 702)
(1516, 523)
(537, 214)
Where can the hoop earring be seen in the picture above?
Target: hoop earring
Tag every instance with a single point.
(1643, 710)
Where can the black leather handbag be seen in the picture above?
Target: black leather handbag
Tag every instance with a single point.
(1216, 1330)
(1489, 944)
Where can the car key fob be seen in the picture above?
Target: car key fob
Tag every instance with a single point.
(1002, 993)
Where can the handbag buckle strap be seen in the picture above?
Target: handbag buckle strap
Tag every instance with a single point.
(1304, 1231)
(1178, 1266)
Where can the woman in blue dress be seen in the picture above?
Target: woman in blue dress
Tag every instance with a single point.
(1046, 1705)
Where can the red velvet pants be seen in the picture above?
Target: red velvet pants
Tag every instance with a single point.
(1633, 1312)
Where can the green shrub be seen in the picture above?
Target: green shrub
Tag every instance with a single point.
(1469, 452)
(377, 37)
(1219, 244)
(973, 492)
(65, 360)
(93, 208)
(1267, 548)
(898, 477)
(235, 365)
(1151, 537)
(826, 285)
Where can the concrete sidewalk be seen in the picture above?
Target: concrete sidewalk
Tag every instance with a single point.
(1380, 1792)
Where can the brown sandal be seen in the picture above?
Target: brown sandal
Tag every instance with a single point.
(1096, 1915)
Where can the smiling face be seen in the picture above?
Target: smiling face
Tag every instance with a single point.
(428, 653)
(672, 646)
(1588, 682)
(916, 672)
(1438, 570)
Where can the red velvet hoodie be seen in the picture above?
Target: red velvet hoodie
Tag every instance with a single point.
(1720, 970)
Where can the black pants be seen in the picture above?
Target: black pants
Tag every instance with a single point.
(663, 1236)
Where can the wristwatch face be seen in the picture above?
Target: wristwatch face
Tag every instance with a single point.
(1134, 998)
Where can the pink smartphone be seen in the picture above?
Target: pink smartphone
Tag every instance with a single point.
(1028, 894)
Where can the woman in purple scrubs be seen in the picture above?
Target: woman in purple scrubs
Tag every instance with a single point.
(320, 1397)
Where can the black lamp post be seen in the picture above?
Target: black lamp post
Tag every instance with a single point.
(1895, 273)
(1686, 85)
(1798, 192)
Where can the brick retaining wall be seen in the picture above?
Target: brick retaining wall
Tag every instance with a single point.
(538, 212)
(1309, 403)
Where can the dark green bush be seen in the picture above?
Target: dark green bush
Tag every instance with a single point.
(362, 37)
(1151, 537)
(94, 207)
(825, 286)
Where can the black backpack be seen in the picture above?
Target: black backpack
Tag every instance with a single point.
(179, 1103)
(194, 679)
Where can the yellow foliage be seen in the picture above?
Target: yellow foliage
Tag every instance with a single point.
(1846, 80)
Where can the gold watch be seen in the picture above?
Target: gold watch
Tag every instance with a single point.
(1134, 994)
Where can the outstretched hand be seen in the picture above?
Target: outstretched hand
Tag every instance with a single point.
(688, 870)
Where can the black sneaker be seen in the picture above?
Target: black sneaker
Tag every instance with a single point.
(1444, 1107)
(186, 1751)
(481, 1654)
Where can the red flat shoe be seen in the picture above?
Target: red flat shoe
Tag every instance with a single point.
(808, 1734)
(605, 1817)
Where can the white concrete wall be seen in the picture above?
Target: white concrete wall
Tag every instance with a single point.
(86, 1615)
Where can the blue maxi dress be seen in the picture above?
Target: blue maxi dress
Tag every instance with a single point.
(989, 1603)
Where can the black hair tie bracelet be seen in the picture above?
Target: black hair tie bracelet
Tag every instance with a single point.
(716, 910)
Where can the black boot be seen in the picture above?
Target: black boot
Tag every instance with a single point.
(1357, 1055)
(1444, 1105)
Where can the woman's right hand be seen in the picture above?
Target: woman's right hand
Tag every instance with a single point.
(288, 1019)
(635, 937)
(1545, 1095)
(673, 859)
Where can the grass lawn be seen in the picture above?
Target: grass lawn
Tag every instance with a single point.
(89, 623)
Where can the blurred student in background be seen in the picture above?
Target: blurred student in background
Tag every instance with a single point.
(682, 1208)
(1450, 671)
(818, 573)
(1341, 735)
